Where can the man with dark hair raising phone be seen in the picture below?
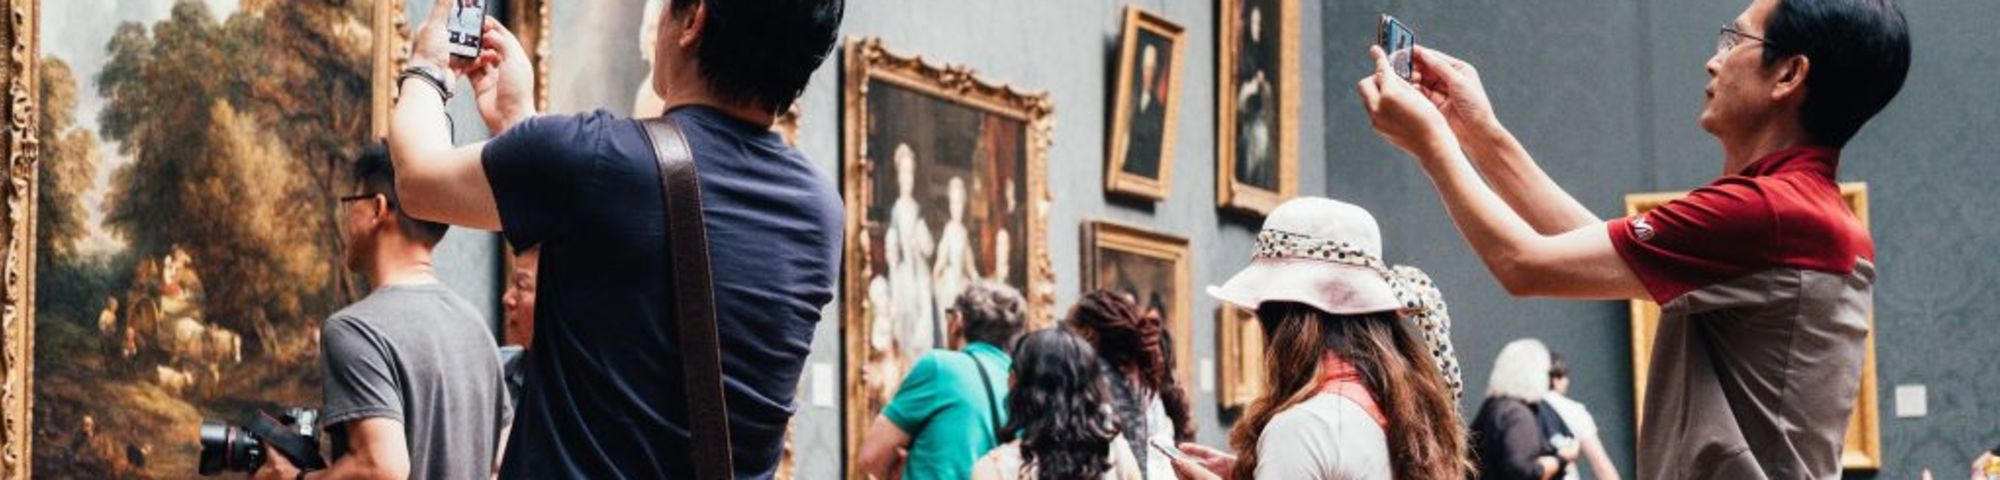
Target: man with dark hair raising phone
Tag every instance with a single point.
(605, 396)
(1764, 277)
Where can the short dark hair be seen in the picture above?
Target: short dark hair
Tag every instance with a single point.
(992, 312)
(1558, 368)
(375, 173)
(1860, 54)
(764, 51)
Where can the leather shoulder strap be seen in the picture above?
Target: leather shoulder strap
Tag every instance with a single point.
(992, 401)
(687, 251)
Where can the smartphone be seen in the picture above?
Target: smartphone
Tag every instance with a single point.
(1400, 43)
(1168, 448)
(468, 22)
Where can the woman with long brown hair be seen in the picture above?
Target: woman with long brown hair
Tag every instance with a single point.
(1135, 358)
(1361, 381)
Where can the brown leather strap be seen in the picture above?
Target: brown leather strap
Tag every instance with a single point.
(687, 254)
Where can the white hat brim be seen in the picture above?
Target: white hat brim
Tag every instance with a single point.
(1330, 287)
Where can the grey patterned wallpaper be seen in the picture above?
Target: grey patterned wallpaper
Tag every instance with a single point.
(1605, 95)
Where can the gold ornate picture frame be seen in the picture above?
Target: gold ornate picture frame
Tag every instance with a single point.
(1862, 449)
(1239, 355)
(905, 120)
(1146, 109)
(376, 46)
(1154, 268)
(1257, 129)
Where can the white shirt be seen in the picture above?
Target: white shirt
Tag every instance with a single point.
(1328, 437)
(1581, 425)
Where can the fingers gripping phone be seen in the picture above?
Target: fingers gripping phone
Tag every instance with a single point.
(1399, 42)
(1170, 450)
(468, 22)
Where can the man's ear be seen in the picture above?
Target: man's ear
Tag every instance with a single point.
(691, 24)
(1792, 74)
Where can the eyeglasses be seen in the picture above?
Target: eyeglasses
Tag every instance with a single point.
(362, 196)
(1731, 37)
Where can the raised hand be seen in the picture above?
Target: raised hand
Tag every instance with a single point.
(1454, 86)
(1401, 114)
(503, 79)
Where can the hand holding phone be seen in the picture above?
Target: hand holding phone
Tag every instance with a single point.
(467, 24)
(1400, 43)
(1163, 447)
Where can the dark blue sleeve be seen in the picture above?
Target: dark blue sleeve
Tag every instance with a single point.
(540, 169)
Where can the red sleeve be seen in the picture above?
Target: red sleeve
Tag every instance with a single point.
(1717, 233)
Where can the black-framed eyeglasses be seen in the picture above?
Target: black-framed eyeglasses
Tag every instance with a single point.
(358, 197)
(1731, 37)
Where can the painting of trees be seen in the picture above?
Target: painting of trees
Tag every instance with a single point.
(223, 142)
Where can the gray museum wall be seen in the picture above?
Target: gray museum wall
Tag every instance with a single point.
(1063, 47)
(1605, 94)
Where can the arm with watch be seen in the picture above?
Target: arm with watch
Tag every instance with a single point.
(436, 180)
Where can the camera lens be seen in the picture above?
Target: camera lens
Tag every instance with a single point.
(225, 447)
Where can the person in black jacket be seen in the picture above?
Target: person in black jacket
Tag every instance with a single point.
(1508, 437)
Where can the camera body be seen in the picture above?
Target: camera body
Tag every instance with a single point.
(231, 448)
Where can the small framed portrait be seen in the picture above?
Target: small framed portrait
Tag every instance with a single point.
(1257, 105)
(1146, 107)
(1153, 269)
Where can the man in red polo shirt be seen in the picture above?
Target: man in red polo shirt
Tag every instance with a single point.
(1764, 277)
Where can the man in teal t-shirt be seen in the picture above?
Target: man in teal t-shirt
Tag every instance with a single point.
(950, 404)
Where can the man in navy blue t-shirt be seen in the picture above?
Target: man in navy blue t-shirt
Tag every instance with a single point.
(605, 394)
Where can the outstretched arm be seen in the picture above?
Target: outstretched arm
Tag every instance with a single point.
(1578, 263)
(435, 180)
(1454, 86)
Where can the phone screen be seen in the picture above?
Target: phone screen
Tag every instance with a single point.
(468, 20)
(1169, 449)
(1400, 43)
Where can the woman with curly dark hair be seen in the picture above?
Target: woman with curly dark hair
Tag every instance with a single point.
(1060, 424)
(1135, 356)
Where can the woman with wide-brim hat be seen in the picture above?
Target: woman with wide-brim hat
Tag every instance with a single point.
(1361, 380)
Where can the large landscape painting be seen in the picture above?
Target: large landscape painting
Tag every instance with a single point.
(185, 241)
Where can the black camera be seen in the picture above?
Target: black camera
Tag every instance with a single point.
(226, 447)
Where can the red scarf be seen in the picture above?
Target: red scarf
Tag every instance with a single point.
(1338, 377)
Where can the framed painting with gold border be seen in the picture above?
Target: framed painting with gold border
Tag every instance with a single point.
(1862, 449)
(1154, 269)
(1257, 104)
(1239, 352)
(944, 175)
(188, 309)
(1146, 108)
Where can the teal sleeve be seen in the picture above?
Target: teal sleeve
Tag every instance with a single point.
(918, 398)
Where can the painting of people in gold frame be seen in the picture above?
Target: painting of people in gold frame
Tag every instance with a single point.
(1153, 269)
(944, 178)
(1257, 104)
(1146, 108)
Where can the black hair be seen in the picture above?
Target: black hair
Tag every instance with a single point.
(764, 51)
(1860, 55)
(991, 312)
(1557, 367)
(375, 173)
(1059, 407)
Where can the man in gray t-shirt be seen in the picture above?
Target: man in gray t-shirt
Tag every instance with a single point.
(413, 385)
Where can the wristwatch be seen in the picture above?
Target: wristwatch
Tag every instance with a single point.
(430, 75)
